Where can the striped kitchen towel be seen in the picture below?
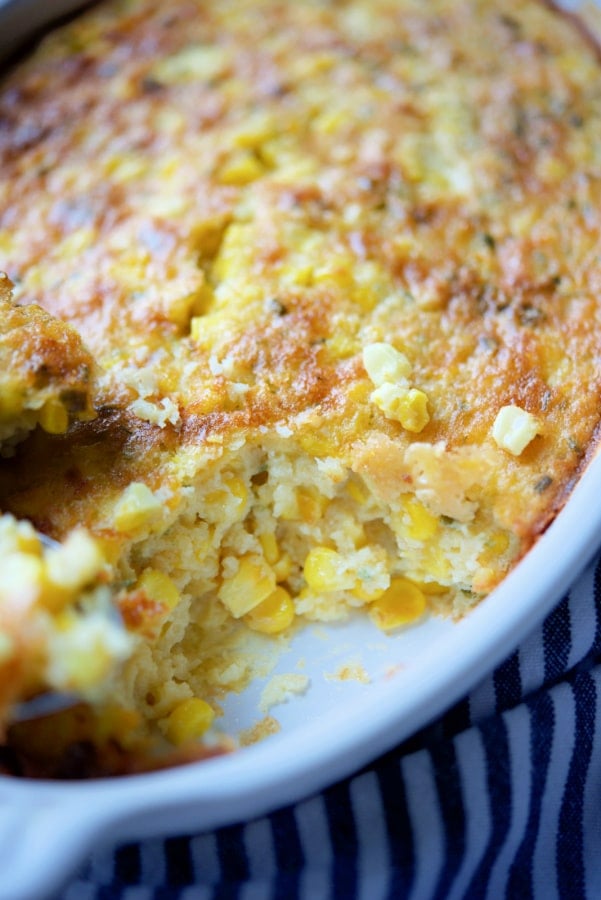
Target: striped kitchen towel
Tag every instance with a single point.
(501, 797)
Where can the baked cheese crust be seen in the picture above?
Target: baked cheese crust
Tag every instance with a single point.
(338, 266)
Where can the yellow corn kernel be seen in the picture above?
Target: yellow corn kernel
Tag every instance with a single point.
(183, 311)
(496, 545)
(272, 615)
(341, 346)
(271, 551)
(54, 417)
(118, 722)
(234, 251)
(310, 505)
(422, 523)
(317, 444)
(82, 651)
(409, 406)
(431, 588)
(11, 401)
(76, 243)
(252, 583)
(384, 363)
(514, 428)
(331, 122)
(357, 491)
(551, 169)
(238, 493)
(122, 168)
(498, 542)
(136, 507)
(364, 592)
(158, 587)
(401, 604)
(256, 128)
(324, 571)
(365, 297)
(27, 540)
(283, 567)
(188, 721)
(241, 169)
(436, 564)
(358, 392)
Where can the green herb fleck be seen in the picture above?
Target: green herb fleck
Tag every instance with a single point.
(543, 483)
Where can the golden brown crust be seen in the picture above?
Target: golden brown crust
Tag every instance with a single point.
(482, 225)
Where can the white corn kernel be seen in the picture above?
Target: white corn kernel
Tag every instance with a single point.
(136, 508)
(514, 428)
(385, 364)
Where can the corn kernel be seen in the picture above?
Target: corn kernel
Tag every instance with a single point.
(272, 615)
(11, 401)
(358, 392)
(136, 507)
(496, 545)
(408, 406)
(21, 576)
(514, 428)
(159, 587)
(241, 169)
(383, 363)
(188, 721)
(283, 567)
(366, 592)
(76, 243)
(551, 169)
(54, 418)
(238, 493)
(233, 251)
(431, 588)
(357, 491)
(331, 122)
(341, 346)
(401, 604)
(310, 505)
(498, 542)
(255, 129)
(436, 564)
(252, 583)
(324, 571)
(270, 547)
(317, 445)
(422, 523)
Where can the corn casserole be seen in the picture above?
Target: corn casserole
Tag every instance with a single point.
(304, 325)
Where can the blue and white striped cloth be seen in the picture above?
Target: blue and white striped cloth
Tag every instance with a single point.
(499, 798)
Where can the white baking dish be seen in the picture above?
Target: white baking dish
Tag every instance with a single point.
(336, 727)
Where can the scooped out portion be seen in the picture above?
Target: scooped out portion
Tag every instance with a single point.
(338, 290)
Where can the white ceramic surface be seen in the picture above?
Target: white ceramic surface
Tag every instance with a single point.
(329, 732)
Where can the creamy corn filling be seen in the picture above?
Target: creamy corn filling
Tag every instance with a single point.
(270, 537)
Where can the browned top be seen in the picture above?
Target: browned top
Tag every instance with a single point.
(230, 200)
